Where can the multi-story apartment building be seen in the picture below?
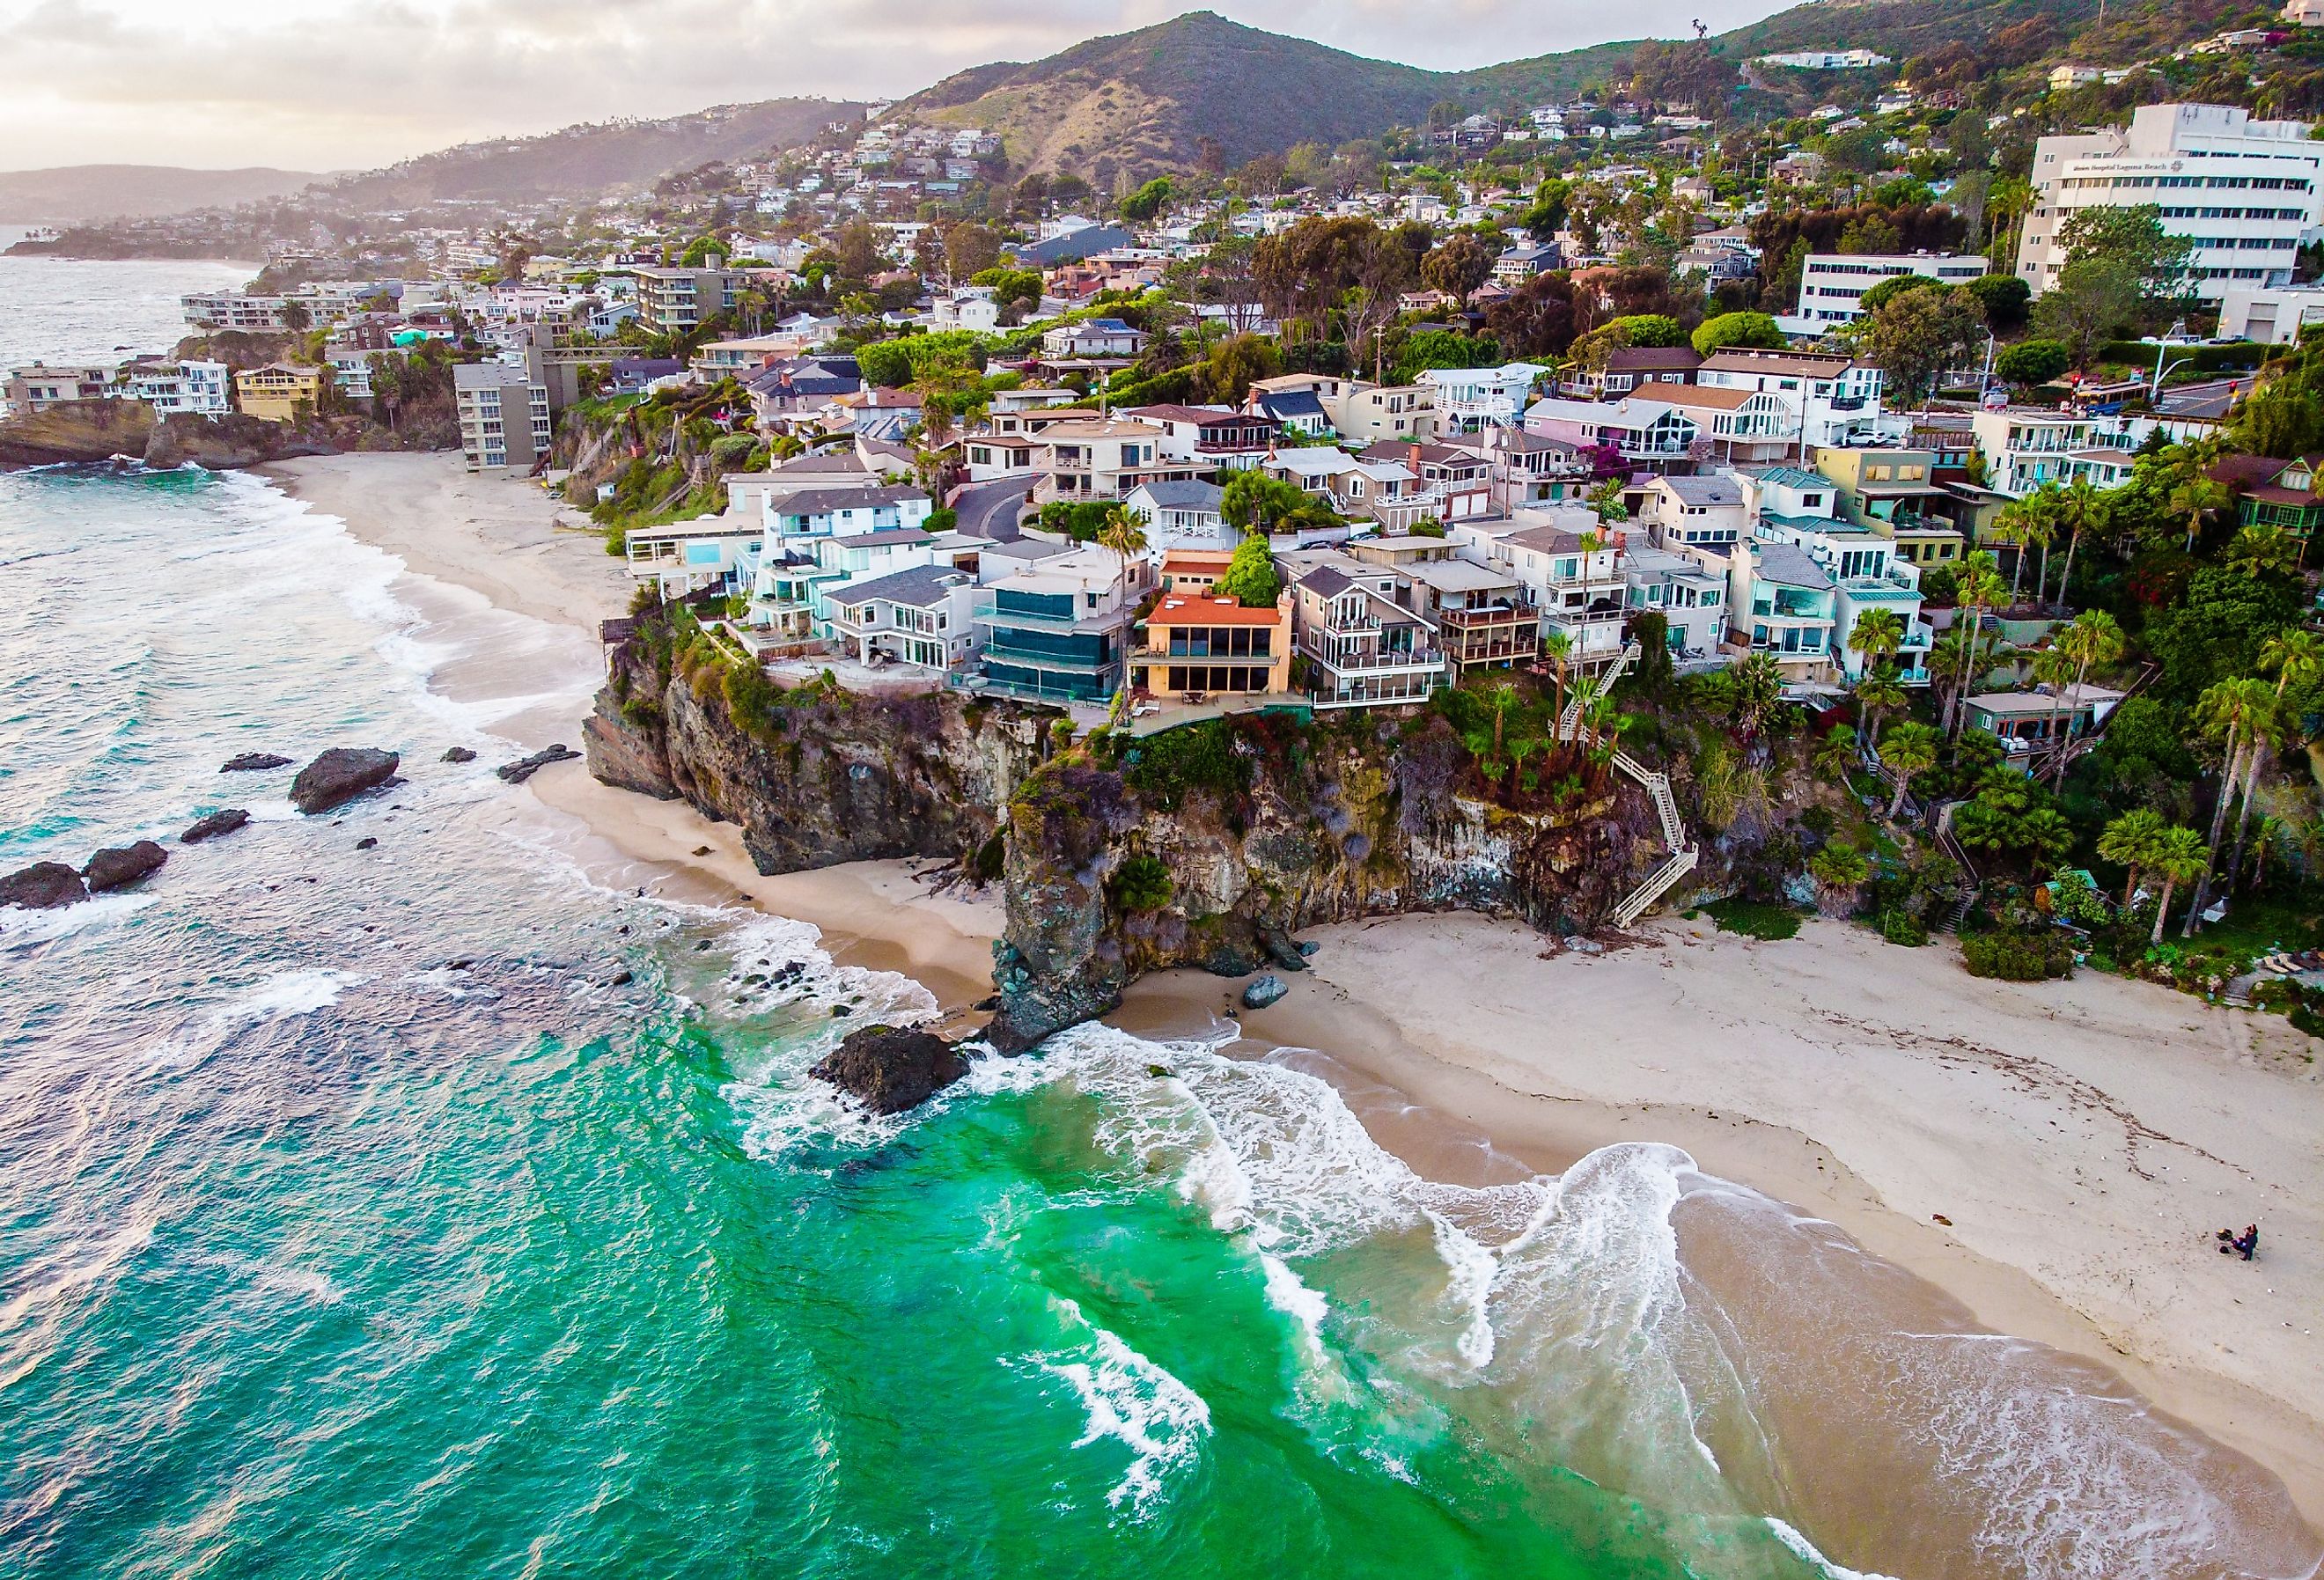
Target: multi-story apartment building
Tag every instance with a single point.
(503, 413)
(671, 301)
(1829, 397)
(1690, 596)
(1833, 284)
(203, 387)
(2246, 192)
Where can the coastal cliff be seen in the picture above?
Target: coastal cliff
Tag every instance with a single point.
(1209, 845)
(81, 431)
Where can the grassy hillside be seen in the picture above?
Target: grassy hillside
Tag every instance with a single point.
(72, 194)
(588, 158)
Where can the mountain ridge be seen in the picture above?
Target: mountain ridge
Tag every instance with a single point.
(71, 193)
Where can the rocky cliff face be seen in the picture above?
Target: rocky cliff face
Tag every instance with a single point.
(100, 430)
(1211, 845)
(815, 776)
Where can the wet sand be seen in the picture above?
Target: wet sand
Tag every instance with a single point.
(2084, 1139)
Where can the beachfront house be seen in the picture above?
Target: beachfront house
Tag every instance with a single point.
(920, 618)
(1057, 630)
(1195, 644)
(1362, 646)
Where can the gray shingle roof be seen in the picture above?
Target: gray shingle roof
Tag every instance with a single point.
(1190, 495)
(810, 501)
(1790, 565)
(1705, 490)
(919, 587)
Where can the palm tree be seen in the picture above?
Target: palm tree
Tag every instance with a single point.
(2093, 638)
(1123, 530)
(1591, 543)
(2239, 710)
(1911, 751)
(1978, 590)
(2294, 657)
(2258, 550)
(1557, 647)
(2023, 521)
(2129, 841)
(2197, 492)
(2081, 507)
(1877, 635)
(1758, 687)
(2177, 856)
(1505, 697)
(1837, 751)
(1946, 657)
(1875, 694)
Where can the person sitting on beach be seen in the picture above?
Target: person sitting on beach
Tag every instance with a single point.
(2243, 1245)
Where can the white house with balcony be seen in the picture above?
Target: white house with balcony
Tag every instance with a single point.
(1827, 397)
(1782, 603)
(1647, 432)
(1687, 593)
(202, 387)
(1469, 399)
(1707, 513)
(2025, 447)
(922, 618)
(1352, 623)
(1866, 575)
(1577, 588)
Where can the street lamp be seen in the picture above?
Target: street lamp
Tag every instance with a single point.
(2154, 385)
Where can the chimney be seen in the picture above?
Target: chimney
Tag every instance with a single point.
(1415, 459)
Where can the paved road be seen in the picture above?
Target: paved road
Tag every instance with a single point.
(989, 510)
(2210, 399)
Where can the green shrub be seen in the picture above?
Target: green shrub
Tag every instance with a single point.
(1168, 766)
(2019, 954)
(1902, 927)
(1755, 919)
(1142, 884)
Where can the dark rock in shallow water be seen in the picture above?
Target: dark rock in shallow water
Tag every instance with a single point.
(367, 843)
(43, 886)
(121, 865)
(524, 768)
(213, 825)
(341, 774)
(459, 754)
(251, 762)
(1263, 992)
(888, 1071)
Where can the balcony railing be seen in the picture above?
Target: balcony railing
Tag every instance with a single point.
(1499, 616)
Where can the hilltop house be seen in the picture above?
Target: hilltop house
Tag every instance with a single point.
(1471, 398)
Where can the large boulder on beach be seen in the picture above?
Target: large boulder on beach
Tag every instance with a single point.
(888, 1070)
(341, 774)
(212, 825)
(43, 886)
(118, 866)
(252, 762)
(524, 768)
(1264, 992)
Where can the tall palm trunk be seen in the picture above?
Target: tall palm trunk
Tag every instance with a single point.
(2230, 771)
(2129, 888)
(2242, 818)
(2163, 910)
(2066, 576)
(2041, 581)
(1896, 801)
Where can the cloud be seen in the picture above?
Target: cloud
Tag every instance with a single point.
(333, 84)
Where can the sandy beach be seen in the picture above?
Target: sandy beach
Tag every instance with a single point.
(2055, 1157)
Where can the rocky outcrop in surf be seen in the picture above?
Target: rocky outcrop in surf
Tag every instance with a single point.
(104, 431)
(339, 775)
(524, 768)
(211, 824)
(890, 1071)
(43, 886)
(253, 763)
(117, 867)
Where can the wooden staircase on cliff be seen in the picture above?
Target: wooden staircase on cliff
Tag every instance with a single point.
(1683, 853)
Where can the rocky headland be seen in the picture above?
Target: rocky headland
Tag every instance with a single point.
(1211, 845)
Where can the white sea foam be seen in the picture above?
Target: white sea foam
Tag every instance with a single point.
(1806, 1550)
(283, 994)
(21, 928)
(1128, 1399)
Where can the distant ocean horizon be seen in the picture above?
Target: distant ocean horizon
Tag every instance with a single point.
(449, 1208)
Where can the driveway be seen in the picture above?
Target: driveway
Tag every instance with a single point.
(989, 510)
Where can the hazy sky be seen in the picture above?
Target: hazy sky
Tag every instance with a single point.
(339, 84)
